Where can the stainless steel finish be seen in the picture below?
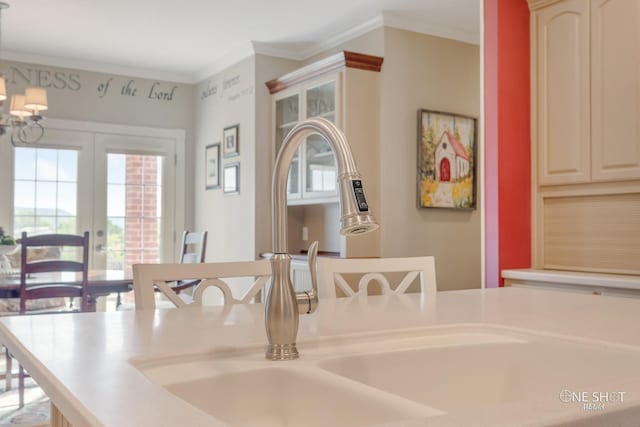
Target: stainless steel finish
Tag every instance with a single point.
(283, 305)
(308, 300)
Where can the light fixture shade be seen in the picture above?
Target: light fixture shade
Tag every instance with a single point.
(3, 89)
(35, 99)
(17, 106)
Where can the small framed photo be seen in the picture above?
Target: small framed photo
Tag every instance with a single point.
(230, 140)
(212, 166)
(231, 183)
(446, 160)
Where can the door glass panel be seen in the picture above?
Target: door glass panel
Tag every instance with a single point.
(45, 191)
(134, 214)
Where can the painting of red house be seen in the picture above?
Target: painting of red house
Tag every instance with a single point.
(452, 160)
(446, 160)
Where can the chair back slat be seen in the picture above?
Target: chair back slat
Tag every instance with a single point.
(54, 240)
(53, 266)
(331, 273)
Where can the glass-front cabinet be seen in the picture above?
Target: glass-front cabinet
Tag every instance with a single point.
(313, 173)
(287, 116)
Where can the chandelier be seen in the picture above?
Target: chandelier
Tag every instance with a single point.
(25, 111)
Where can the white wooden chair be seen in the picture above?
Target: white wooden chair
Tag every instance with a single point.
(331, 270)
(147, 277)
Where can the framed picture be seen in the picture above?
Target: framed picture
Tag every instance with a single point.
(212, 166)
(446, 160)
(231, 183)
(230, 141)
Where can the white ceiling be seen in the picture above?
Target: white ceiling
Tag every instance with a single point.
(186, 40)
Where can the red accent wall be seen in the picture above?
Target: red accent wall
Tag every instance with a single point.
(507, 138)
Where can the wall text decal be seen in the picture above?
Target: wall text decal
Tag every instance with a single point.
(44, 78)
(158, 91)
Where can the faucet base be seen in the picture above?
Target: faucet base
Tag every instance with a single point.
(282, 352)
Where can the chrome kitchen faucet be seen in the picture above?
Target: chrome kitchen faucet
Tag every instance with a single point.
(283, 305)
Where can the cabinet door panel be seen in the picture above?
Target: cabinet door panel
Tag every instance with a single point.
(562, 39)
(615, 29)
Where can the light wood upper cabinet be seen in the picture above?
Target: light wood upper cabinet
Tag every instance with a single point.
(586, 90)
(560, 34)
(615, 89)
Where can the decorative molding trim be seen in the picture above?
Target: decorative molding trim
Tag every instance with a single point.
(340, 60)
(316, 48)
(352, 33)
(539, 4)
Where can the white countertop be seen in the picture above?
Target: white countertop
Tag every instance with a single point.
(82, 360)
(619, 281)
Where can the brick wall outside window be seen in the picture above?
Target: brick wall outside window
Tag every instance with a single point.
(142, 218)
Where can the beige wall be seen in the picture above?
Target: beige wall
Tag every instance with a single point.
(97, 97)
(267, 68)
(239, 225)
(428, 72)
(226, 99)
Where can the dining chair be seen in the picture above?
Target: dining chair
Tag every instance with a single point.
(331, 273)
(149, 277)
(57, 288)
(194, 250)
(54, 267)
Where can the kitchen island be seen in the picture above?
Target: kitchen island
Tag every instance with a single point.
(93, 365)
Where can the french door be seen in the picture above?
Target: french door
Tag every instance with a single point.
(118, 182)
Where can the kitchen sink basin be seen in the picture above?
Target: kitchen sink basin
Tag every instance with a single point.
(280, 396)
(392, 377)
(530, 368)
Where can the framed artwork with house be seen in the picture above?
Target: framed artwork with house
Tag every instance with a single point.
(446, 160)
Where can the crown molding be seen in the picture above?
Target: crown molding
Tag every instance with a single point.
(350, 34)
(232, 56)
(417, 26)
(334, 62)
(98, 67)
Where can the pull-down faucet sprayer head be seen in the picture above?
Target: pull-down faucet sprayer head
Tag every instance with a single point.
(355, 216)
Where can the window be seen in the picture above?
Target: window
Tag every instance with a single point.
(45, 191)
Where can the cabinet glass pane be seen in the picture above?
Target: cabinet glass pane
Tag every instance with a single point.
(321, 166)
(293, 180)
(287, 116)
(321, 101)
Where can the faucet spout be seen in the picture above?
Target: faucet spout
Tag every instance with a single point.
(281, 309)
